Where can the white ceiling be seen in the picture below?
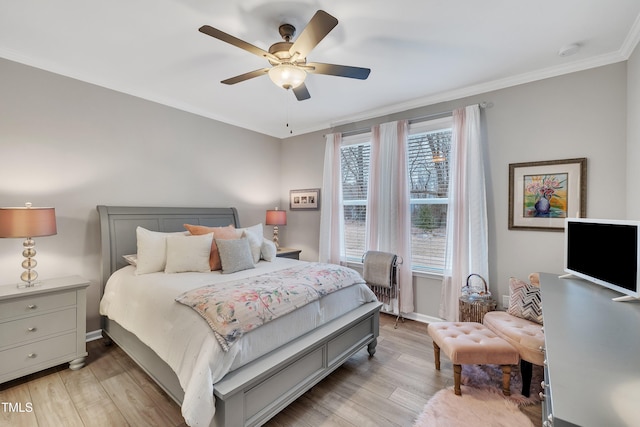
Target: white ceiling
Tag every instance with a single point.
(420, 51)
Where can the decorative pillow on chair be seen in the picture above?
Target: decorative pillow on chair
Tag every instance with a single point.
(524, 301)
(228, 232)
(235, 255)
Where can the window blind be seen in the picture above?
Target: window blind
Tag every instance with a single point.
(355, 160)
(428, 163)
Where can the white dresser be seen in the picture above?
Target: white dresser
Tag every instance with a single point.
(592, 346)
(42, 326)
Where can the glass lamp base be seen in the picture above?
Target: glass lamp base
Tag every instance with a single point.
(32, 284)
(29, 277)
(275, 237)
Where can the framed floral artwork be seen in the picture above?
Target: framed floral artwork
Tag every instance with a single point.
(543, 194)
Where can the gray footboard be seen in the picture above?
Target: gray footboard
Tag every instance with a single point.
(251, 395)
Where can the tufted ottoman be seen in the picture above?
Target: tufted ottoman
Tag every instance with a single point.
(471, 343)
(525, 336)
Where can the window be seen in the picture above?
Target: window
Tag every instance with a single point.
(428, 164)
(354, 155)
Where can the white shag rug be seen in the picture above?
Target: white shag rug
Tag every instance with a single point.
(476, 407)
(482, 402)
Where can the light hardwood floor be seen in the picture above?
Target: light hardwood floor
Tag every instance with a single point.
(389, 389)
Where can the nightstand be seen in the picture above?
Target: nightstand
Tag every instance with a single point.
(288, 253)
(42, 326)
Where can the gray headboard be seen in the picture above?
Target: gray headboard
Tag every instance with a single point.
(118, 227)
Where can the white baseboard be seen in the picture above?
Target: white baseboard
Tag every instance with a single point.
(94, 335)
(423, 318)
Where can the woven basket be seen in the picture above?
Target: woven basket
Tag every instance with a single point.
(474, 303)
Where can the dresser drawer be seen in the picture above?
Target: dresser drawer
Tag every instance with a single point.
(60, 349)
(32, 305)
(35, 327)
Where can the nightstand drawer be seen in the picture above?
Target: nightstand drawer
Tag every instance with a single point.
(37, 353)
(36, 327)
(32, 305)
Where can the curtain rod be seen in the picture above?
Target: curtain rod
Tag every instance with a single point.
(433, 116)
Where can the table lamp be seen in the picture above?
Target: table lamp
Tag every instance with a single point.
(276, 218)
(28, 222)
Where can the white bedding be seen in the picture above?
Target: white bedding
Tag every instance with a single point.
(145, 305)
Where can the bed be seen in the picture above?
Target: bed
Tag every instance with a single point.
(256, 380)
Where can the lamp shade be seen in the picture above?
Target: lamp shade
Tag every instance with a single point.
(27, 222)
(276, 217)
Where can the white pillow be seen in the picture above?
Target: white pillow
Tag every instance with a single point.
(268, 250)
(254, 234)
(152, 250)
(188, 253)
(131, 259)
(235, 255)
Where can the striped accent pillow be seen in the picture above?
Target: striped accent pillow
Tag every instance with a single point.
(524, 301)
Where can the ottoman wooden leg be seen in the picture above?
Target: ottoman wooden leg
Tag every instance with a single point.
(457, 373)
(506, 380)
(436, 355)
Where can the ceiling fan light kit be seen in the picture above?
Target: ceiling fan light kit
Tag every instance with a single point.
(288, 59)
(287, 76)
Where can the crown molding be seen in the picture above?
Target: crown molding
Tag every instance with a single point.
(528, 77)
(632, 39)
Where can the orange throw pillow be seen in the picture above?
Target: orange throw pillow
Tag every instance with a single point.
(228, 232)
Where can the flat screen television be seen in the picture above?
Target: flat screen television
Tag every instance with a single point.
(604, 252)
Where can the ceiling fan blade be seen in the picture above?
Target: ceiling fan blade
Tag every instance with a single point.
(228, 38)
(301, 92)
(320, 25)
(245, 76)
(339, 70)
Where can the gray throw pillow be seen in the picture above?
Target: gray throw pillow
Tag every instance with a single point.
(235, 255)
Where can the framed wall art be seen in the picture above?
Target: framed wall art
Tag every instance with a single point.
(543, 194)
(304, 199)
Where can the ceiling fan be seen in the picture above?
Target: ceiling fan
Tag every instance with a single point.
(289, 66)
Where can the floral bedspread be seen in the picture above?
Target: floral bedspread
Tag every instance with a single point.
(236, 307)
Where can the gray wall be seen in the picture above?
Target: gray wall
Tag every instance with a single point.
(577, 115)
(633, 135)
(71, 145)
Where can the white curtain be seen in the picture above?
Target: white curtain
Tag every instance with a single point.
(331, 218)
(388, 210)
(466, 249)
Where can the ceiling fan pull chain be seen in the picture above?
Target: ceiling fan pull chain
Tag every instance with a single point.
(287, 101)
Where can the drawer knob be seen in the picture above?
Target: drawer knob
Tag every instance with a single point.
(32, 306)
(32, 329)
(32, 355)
